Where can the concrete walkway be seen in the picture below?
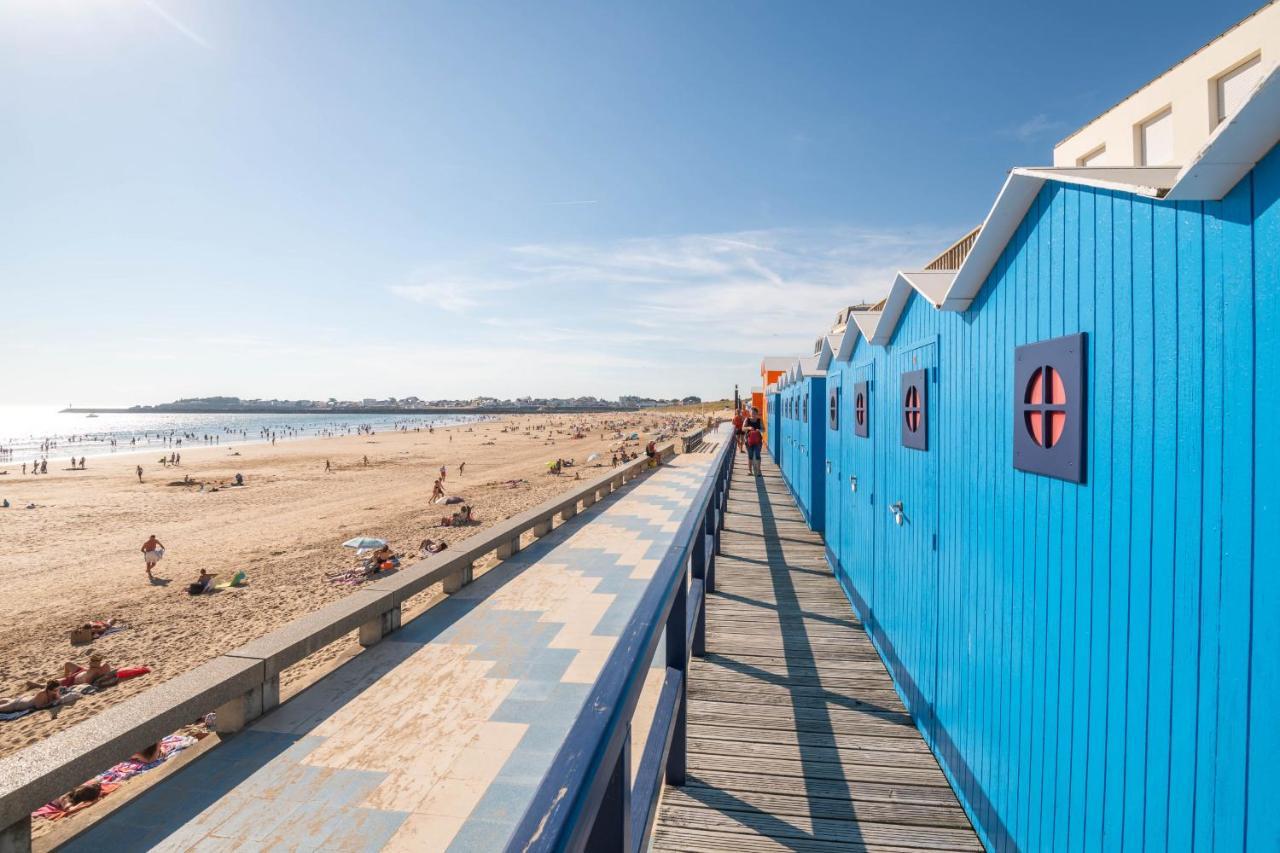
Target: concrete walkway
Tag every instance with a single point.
(436, 738)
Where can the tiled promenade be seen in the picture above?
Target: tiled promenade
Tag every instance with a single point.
(435, 738)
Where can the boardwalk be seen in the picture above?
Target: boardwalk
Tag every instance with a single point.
(797, 740)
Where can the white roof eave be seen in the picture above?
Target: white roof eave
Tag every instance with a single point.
(1235, 146)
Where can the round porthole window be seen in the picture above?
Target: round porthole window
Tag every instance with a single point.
(911, 409)
(1046, 415)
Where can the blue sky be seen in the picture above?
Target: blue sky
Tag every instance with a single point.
(368, 199)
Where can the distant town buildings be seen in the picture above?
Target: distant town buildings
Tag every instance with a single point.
(412, 404)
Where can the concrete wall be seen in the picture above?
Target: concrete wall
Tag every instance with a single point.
(1096, 665)
(1188, 87)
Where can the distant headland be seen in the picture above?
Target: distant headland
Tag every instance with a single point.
(390, 406)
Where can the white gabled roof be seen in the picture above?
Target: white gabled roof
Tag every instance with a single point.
(771, 388)
(807, 368)
(842, 349)
(775, 362)
(931, 284)
(867, 321)
(825, 353)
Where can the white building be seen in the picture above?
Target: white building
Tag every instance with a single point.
(1169, 120)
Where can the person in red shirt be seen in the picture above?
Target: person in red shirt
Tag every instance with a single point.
(737, 428)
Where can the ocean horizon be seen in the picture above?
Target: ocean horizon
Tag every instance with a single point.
(32, 432)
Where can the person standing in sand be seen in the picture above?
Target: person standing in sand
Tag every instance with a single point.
(328, 469)
(462, 466)
(139, 471)
(152, 551)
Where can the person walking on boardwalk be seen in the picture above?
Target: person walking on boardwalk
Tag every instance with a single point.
(754, 427)
(737, 427)
(152, 551)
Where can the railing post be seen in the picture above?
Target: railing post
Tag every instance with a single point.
(16, 837)
(508, 549)
(698, 553)
(459, 579)
(611, 831)
(542, 528)
(678, 659)
(569, 511)
(700, 567)
(708, 532)
(372, 632)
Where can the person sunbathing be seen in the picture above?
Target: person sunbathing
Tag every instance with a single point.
(73, 673)
(381, 555)
(430, 546)
(45, 698)
(80, 797)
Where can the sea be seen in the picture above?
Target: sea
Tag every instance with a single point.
(30, 433)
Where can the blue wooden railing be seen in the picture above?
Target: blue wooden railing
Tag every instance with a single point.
(587, 800)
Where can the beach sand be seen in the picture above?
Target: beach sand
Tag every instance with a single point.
(77, 556)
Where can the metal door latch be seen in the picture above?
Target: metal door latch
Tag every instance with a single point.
(853, 483)
(896, 509)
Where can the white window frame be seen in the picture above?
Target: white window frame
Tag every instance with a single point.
(1085, 160)
(1140, 135)
(1217, 113)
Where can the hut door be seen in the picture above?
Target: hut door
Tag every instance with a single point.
(833, 510)
(859, 487)
(907, 587)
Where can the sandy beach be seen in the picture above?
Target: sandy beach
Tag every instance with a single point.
(76, 556)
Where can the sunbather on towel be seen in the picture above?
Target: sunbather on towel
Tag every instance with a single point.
(46, 698)
(73, 673)
(98, 627)
(430, 546)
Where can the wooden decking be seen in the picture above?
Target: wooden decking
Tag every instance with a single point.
(797, 740)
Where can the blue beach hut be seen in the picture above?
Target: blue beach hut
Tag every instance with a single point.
(1045, 475)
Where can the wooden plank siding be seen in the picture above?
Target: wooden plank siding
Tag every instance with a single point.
(1096, 666)
(797, 737)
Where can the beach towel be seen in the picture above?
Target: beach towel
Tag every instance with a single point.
(111, 779)
(239, 579)
(6, 716)
(131, 672)
(53, 810)
(169, 745)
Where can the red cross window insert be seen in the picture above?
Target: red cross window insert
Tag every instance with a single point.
(1046, 409)
(911, 408)
(860, 409)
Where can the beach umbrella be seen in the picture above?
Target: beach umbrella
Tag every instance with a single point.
(364, 543)
(593, 457)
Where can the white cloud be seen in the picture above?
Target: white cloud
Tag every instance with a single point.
(1034, 128)
(713, 299)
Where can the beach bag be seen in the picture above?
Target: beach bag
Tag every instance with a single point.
(753, 438)
(81, 636)
(195, 588)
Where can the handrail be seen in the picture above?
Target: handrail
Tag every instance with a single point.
(244, 683)
(586, 800)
